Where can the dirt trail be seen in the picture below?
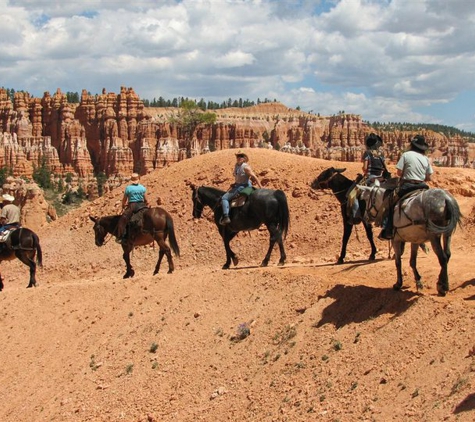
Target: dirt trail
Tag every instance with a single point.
(326, 342)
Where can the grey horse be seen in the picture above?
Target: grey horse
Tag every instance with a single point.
(423, 216)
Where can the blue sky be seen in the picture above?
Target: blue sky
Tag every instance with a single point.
(387, 60)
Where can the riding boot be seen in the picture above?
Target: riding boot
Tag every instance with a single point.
(387, 231)
(225, 220)
(388, 227)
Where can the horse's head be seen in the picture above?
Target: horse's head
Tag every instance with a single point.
(197, 204)
(324, 178)
(99, 231)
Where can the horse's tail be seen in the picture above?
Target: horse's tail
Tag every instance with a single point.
(37, 246)
(172, 237)
(453, 216)
(284, 213)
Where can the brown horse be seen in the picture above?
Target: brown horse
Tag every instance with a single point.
(154, 224)
(23, 244)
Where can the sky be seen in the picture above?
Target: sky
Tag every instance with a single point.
(386, 60)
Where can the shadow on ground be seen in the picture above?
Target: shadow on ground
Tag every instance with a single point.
(355, 304)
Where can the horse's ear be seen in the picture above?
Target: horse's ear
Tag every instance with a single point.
(191, 185)
(340, 170)
(93, 219)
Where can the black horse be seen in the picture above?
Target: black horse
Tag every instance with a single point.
(155, 224)
(333, 179)
(23, 244)
(264, 206)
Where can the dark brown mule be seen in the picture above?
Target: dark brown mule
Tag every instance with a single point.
(156, 225)
(23, 244)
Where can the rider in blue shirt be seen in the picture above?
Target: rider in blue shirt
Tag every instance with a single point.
(134, 199)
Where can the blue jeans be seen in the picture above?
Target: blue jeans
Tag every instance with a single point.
(8, 226)
(229, 195)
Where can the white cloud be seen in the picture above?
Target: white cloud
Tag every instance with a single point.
(373, 57)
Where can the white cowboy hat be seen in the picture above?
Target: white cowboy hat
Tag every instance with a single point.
(8, 197)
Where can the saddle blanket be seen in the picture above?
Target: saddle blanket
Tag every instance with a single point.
(6, 234)
(241, 199)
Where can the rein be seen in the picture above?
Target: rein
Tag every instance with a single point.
(327, 183)
(199, 201)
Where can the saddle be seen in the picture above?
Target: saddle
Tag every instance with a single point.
(6, 234)
(136, 221)
(242, 198)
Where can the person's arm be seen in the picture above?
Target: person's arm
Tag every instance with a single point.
(365, 166)
(125, 200)
(429, 171)
(365, 160)
(145, 200)
(252, 176)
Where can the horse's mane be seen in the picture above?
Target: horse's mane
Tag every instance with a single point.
(214, 190)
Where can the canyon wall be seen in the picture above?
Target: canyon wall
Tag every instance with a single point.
(114, 134)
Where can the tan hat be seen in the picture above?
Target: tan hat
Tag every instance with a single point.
(242, 154)
(8, 197)
(134, 178)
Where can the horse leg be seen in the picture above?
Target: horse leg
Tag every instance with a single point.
(275, 235)
(126, 255)
(398, 247)
(30, 262)
(347, 229)
(230, 255)
(280, 242)
(447, 238)
(1, 283)
(369, 234)
(161, 253)
(413, 264)
(443, 281)
(164, 250)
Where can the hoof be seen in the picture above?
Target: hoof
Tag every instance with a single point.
(169, 271)
(225, 267)
(281, 263)
(397, 287)
(372, 257)
(340, 261)
(264, 264)
(441, 291)
(235, 260)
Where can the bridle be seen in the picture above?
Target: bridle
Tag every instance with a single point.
(106, 240)
(197, 200)
(325, 184)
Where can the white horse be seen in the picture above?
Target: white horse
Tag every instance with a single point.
(422, 216)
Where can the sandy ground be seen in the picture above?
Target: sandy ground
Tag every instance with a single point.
(326, 342)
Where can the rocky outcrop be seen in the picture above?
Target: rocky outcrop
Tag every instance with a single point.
(115, 134)
(35, 210)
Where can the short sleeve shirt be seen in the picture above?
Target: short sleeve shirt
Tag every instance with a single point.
(135, 193)
(240, 176)
(11, 213)
(414, 166)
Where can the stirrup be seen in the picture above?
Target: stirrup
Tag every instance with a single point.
(224, 220)
(385, 235)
